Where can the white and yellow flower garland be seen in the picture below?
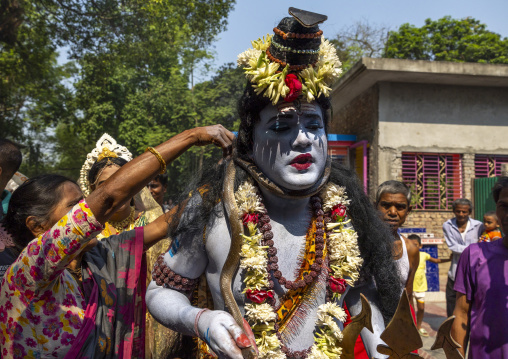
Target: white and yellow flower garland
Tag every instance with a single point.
(344, 261)
(269, 78)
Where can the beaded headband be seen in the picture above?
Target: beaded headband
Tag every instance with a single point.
(292, 64)
(106, 147)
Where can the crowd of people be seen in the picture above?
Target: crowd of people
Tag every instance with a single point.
(268, 254)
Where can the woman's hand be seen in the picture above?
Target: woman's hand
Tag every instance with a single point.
(215, 134)
(223, 335)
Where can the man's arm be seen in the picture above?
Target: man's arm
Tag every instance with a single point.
(451, 241)
(460, 327)
(354, 305)
(173, 308)
(414, 260)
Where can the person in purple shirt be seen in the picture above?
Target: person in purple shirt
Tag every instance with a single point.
(481, 282)
(459, 233)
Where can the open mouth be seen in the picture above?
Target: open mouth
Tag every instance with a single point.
(302, 162)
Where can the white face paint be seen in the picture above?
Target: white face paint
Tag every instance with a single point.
(290, 145)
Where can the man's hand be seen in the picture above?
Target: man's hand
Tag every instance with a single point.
(223, 335)
(215, 134)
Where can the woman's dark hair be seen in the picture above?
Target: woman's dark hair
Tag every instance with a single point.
(37, 197)
(99, 166)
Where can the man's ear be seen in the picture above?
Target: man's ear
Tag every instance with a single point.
(409, 209)
(34, 226)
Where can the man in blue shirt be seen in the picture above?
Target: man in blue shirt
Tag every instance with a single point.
(459, 233)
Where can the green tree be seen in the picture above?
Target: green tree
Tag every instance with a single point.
(361, 39)
(447, 39)
(216, 101)
(33, 94)
(136, 84)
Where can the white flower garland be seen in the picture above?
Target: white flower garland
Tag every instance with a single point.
(268, 78)
(344, 260)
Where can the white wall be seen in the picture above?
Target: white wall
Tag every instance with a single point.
(440, 118)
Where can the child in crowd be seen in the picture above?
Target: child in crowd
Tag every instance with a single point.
(492, 231)
(420, 282)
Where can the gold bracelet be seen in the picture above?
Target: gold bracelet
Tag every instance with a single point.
(159, 157)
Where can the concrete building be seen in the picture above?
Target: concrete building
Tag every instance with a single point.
(434, 125)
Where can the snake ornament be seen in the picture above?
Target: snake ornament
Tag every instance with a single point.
(233, 258)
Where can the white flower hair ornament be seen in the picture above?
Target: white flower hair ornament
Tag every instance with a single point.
(296, 62)
(106, 147)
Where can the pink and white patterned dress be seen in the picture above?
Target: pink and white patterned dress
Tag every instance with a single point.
(41, 305)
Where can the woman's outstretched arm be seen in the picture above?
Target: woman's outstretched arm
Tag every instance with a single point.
(132, 177)
(158, 229)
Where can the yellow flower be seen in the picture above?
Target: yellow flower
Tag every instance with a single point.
(262, 44)
(267, 342)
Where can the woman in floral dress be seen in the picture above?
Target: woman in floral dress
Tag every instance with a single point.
(45, 312)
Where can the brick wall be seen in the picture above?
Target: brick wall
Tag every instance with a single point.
(433, 220)
(467, 174)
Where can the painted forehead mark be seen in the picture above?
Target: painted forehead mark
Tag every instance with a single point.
(291, 106)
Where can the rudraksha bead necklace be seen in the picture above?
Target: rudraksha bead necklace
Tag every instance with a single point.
(273, 267)
(316, 267)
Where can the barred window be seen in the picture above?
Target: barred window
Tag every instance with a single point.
(488, 165)
(435, 179)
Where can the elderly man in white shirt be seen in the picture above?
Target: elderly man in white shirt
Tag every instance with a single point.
(459, 233)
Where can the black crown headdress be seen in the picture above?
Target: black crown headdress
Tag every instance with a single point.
(294, 62)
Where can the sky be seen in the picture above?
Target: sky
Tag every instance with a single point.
(252, 19)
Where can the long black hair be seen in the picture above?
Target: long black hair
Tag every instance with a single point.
(374, 239)
(37, 197)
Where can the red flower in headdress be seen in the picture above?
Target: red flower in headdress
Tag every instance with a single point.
(295, 87)
(258, 296)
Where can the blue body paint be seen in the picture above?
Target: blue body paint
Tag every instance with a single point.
(207, 336)
(174, 247)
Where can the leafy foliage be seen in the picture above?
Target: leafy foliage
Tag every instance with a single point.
(361, 39)
(136, 86)
(133, 60)
(447, 39)
(33, 94)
